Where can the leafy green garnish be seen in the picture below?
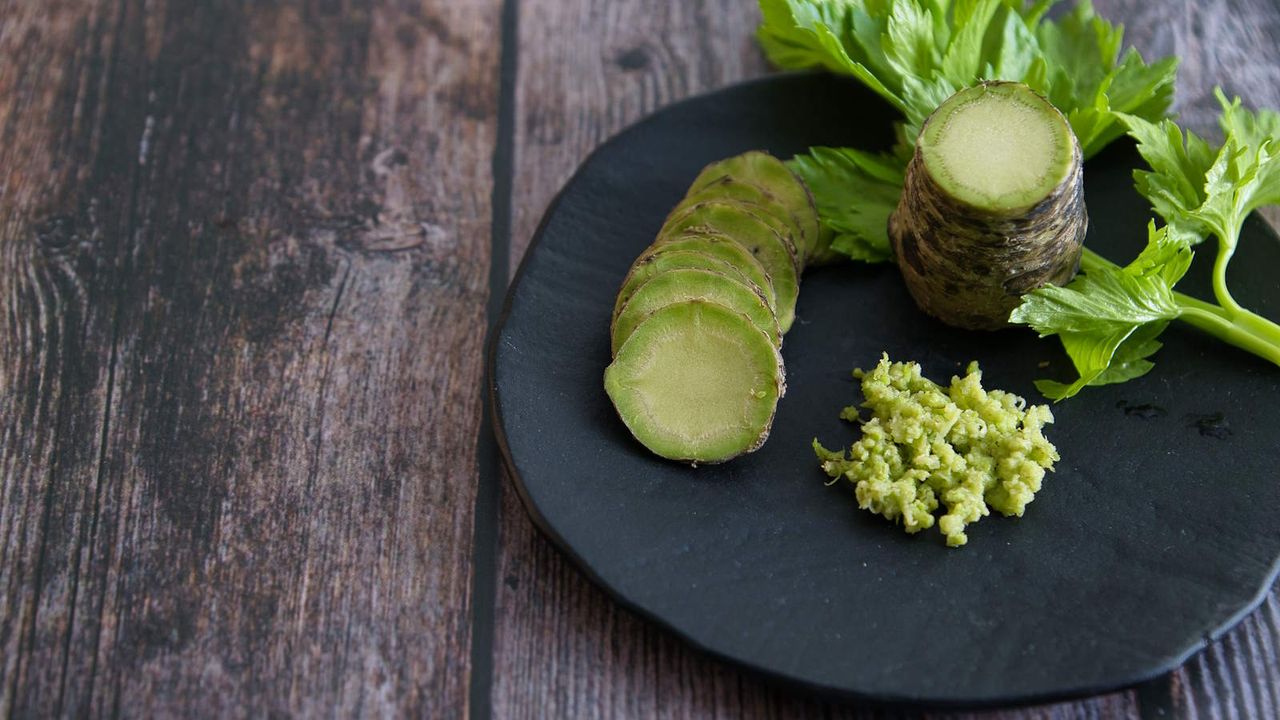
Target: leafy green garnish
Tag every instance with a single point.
(917, 53)
(1108, 318)
(836, 174)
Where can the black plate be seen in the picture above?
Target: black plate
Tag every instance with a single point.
(1157, 532)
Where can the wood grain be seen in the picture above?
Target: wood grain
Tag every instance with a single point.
(244, 251)
(243, 255)
(565, 649)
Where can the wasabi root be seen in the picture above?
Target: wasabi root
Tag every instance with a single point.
(779, 184)
(992, 207)
(680, 284)
(719, 246)
(748, 226)
(697, 382)
(698, 322)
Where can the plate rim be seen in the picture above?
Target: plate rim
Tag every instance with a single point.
(778, 678)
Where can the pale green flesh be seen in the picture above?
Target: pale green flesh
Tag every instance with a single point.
(676, 286)
(770, 174)
(774, 252)
(659, 261)
(1000, 147)
(721, 247)
(696, 382)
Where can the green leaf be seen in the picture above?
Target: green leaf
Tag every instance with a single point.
(804, 34)
(1076, 48)
(1175, 183)
(1166, 256)
(855, 193)
(1199, 190)
(917, 53)
(1099, 300)
(1138, 89)
(1107, 320)
(1130, 359)
(909, 45)
(1247, 128)
(964, 59)
(1032, 12)
(1011, 53)
(1105, 358)
(1246, 173)
(1091, 353)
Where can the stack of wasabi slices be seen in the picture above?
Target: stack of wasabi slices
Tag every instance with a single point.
(698, 324)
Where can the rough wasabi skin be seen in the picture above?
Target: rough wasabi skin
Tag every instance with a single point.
(679, 285)
(696, 382)
(736, 220)
(992, 207)
(962, 448)
(776, 180)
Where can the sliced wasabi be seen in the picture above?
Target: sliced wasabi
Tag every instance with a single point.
(775, 253)
(699, 319)
(697, 382)
(759, 201)
(786, 229)
(775, 179)
(722, 247)
(661, 260)
(676, 286)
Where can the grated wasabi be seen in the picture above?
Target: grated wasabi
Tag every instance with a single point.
(963, 448)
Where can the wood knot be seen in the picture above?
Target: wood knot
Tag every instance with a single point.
(637, 58)
(56, 235)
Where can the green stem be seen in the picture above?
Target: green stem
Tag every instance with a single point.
(1234, 325)
(1220, 290)
(1090, 260)
(1187, 301)
(1214, 323)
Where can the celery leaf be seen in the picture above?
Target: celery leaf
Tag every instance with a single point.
(855, 193)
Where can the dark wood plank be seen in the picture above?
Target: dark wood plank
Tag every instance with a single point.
(562, 647)
(243, 263)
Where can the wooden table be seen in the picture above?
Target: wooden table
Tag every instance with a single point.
(248, 253)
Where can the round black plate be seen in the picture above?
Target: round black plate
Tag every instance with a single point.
(1157, 532)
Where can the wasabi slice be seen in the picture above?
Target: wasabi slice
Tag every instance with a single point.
(992, 207)
(759, 201)
(785, 229)
(722, 247)
(772, 176)
(676, 286)
(775, 253)
(661, 260)
(697, 382)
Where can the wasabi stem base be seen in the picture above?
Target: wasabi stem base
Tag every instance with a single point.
(993, 205)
